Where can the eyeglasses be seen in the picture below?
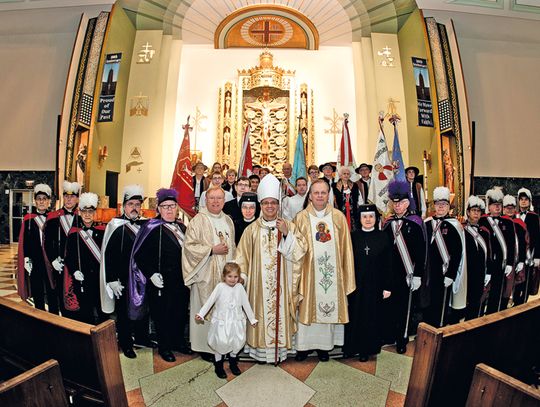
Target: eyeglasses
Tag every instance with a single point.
(87, 211)
(134, 204)
(169, 207)
(243, 184)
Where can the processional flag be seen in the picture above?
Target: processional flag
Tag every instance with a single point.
(245, 168)
(182, 179)
(299, 166)
(345, 154)
(382, 173)
(397, 158)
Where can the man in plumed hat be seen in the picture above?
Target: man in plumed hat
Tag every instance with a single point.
(257, 255)
(55, 233)
(82, 263)
(478, 257)
(522, 252)
(416, 192)
(446, 263)
(34, 277)
(155, 276)
(116, 253)
(407, 234)
(364, 170)
(502, 241)
(527, 215)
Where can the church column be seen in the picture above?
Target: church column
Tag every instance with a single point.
(389, 82)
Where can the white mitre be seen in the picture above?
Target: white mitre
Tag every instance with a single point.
(269, 187)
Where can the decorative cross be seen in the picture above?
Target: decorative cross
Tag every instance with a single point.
(266, 32)
(197, 125)
(367, 249)
(146, 54)
(335, 125)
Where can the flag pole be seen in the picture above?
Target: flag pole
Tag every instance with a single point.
(278, 283)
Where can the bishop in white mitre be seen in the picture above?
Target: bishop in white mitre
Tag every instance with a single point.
(257, 254)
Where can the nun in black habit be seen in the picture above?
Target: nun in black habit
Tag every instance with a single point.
(372, 264)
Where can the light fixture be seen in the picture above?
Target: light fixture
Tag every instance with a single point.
(102, 155)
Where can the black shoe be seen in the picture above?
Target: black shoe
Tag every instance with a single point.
(401, 349)
(218, 368)
(323, 355)
(206, 356)
(167, 356)
(129, 353)
(233, 365)
(347, 355)
(301, 355)
(363, 358)
(184, 349)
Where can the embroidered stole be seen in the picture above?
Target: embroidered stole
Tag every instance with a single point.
(90, 243)
(441, 244)
(325, 259)
(403, 251)
(500, 237)
(269, 253)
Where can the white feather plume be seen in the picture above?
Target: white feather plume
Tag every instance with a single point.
(42, 189)
(88, 200)
(474, 201)
(509, 200)
(441, 194)
(71, 187)
(132, 190)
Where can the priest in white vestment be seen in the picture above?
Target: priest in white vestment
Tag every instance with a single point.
(209, 244)
(257, 255)
(294, 204)
(327, 275)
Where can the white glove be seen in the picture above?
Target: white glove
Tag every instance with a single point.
(519, 267)
(487, 279)
(116, 287)
(507, 270)
(536, 263)
(78, 276)
(448, 282)
(58, 264)
(386, 294)
(416, 283)
(157, 280)
(28, 265)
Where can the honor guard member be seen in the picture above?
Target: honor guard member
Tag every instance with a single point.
(522, 250)
(82, 263)
(407, 234)
(446, 262)
(478, 255)
(527, 215)
(502, 242)
(34, 276)
(55, 233)
(155, 277)
(115, 256)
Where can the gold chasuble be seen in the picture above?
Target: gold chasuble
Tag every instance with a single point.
(203, 270)
(327, 278)
(257, 256)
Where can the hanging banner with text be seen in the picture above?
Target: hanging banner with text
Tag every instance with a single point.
(108, 87)
(421, 77)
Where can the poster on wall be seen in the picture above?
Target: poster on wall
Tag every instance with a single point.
(421, 77)
(108, 87)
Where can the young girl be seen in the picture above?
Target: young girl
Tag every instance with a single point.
(227, 332)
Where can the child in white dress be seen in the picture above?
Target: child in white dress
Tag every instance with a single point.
(227, 332)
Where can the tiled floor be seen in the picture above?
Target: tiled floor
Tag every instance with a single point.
(190, 381)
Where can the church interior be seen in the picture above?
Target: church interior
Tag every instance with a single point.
(101, 92)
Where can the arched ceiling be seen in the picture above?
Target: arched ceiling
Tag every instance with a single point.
(337, 21)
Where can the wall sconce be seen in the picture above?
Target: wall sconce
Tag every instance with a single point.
(102, 155)
(29, 183)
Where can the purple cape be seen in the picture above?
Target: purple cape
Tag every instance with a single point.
(137, 307)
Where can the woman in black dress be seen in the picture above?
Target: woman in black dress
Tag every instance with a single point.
(372, 263)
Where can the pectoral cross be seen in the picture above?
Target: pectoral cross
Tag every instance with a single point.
(367, 249)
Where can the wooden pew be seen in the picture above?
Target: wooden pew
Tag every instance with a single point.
(491, 388)
(38, 387)
(87, 354)
(445, 358)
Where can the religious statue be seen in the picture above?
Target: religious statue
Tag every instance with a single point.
(303, 110)
(227, 142)
(266, 106)
(228, 105)
(81, 163)
(448, 170)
